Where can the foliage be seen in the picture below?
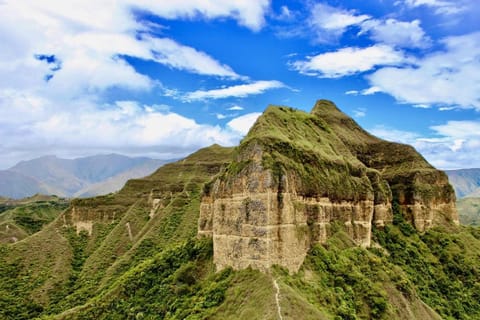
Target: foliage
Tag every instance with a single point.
(444, 267)
(175, 284)
(26, 217)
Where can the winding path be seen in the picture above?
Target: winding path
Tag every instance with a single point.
(277, 299)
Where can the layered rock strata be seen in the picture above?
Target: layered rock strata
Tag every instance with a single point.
(297, 177)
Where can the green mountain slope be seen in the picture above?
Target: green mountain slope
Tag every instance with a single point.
(135, 254)
(65, 265)
(469, 211)
(466, 182)
(21, 218)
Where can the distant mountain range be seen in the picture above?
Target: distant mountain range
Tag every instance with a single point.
(466, 182)
(81, 177)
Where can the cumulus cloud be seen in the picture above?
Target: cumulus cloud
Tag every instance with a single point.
(396, 33)
(127, 127)
(349, 61)
(58, 58)
(452, 145)
(243, 123)
(241, 90)
(248, 13)
(330, 22)
(448, 77)
(444, 7)
(90, 38)
(175, 55)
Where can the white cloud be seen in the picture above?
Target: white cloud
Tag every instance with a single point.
(330, 22)
(445, 7)
(239, 91)
(396, 33)
(89, 39)
(422, 106)
(453, 145)
(243, 123)
(125, 126)
(87, 42)
(459, 129)
(360, 112)
(349, 61)
(285, 14)
(248, 13)
(370, 91)
(170, 53)
(352, 92)
(449, 77)
(235, 108)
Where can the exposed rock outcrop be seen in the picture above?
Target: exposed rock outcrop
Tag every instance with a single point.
(297, 175)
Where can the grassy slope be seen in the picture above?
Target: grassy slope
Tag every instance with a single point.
(24, 217)
(465, 181)
(305, 147)
(68, 268)
(469, 211)
(164, 271)
(409, 175)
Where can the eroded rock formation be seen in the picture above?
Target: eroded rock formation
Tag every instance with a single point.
(296, 176)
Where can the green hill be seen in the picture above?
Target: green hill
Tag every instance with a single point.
(465, 181)
(24, 217)
(135, 254)
(469, 211)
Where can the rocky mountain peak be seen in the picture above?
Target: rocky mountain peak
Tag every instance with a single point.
(296, 175)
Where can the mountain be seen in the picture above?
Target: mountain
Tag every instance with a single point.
(86, 176)
(310, 217)
(469, 211)
(22, 218)
(466, 182)
(17, 185)
(296, 173)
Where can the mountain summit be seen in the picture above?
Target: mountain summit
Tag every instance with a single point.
(297, 174)
(276, 228)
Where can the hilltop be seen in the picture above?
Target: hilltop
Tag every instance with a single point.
(24, 217)
(297, 173)
(340, 224)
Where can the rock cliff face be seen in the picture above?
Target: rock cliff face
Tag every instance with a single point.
(298, 176)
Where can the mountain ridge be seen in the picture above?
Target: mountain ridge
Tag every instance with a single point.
(466, 182)
(137, 253)
(85, 176)
(296, 173)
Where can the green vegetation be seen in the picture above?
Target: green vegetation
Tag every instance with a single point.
(443, 266)
(62, 267)
(469, 211)
(303, 147)
(178, 283)
(135, 254)
(21, 218)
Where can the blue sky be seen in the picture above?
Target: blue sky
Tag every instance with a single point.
(164, 78)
